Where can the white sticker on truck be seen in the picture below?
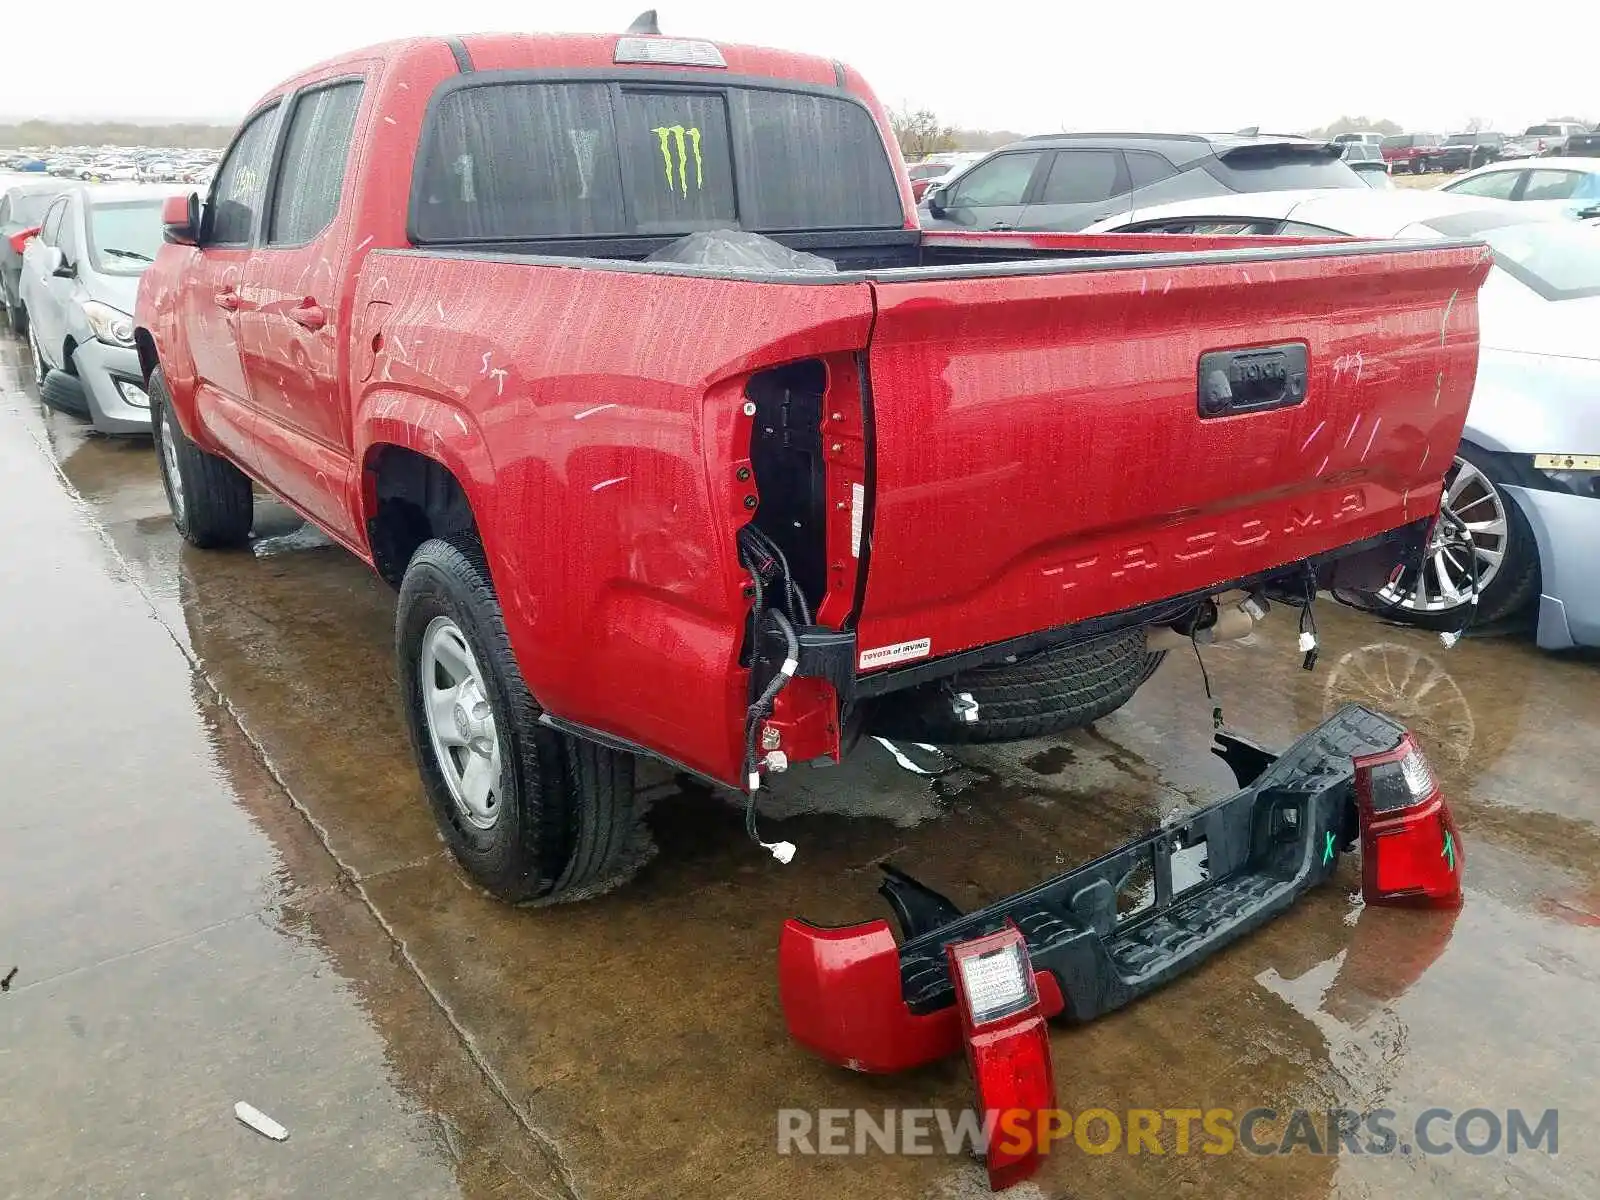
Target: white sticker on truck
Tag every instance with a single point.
(883, 656)
(858, 506)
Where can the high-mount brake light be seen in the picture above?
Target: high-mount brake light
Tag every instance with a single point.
(1008, 1049)
(668, 52)
(1410, 848)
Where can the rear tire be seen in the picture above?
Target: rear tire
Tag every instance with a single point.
(210, 498)
(559, 818)
(1045, 693)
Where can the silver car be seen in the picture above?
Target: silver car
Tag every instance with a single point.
(22, 207)
(80, 277)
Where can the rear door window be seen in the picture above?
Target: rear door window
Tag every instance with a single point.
(311, 177)
(1497, 185)
(515, 161)
(1551, 185)
(1081, 177)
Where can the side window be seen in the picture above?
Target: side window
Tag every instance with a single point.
(1496, 185)
(241, 183)
(50, 227)
(1551, 185)
(1081, 177)
(1145, 167)
(311, 177)
(1001, 180)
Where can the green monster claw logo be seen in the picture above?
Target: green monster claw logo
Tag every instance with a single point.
(1327, 849)
(1449, 851)
(684, 139)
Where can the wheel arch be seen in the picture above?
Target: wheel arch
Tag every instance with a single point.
(425, 473)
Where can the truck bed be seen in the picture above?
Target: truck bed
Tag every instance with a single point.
(987, 447)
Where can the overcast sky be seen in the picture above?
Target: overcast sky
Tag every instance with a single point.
(1029, 65)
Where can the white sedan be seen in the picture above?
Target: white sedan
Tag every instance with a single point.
(1562, 187)
(1526, 480)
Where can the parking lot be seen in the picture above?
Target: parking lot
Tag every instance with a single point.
(221, 883)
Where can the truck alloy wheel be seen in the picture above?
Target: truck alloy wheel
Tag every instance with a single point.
(460, 720)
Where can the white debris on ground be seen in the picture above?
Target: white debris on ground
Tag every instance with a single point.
(260, 1122)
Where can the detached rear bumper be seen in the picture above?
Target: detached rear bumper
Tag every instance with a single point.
(856, 998)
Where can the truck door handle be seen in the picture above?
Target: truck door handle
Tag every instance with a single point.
(309, 315)
(227, 300)
(1000, 227)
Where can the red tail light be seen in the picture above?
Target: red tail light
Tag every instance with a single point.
(1008, 1048)
(19, 239)
(1410, 848)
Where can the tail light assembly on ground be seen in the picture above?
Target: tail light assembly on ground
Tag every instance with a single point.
(986, 983)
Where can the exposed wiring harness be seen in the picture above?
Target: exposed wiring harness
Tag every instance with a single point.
(753, 544)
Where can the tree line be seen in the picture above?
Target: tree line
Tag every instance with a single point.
(114, 133)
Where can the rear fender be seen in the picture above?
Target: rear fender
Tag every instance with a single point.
(437, 429)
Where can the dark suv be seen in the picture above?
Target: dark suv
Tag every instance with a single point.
(1070, 180)
(1468, 151)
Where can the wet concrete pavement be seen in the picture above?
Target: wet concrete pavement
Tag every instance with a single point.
(219, 881)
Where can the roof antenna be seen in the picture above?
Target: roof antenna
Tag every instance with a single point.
(645, 22)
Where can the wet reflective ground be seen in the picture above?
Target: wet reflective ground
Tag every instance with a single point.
(219, 881)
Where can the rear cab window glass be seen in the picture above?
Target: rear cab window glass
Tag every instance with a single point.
(1551, 185)
(677, 161)
(311, 175)
(519, 160)
(515, 161)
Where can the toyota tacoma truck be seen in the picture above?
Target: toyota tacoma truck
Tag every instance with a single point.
(624, 360)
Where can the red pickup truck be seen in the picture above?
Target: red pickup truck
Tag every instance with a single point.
(730, 514)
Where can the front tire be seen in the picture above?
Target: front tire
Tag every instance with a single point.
(210, 498)
(530, 813)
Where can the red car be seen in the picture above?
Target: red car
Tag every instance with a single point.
(1414, 152)
(729, 499)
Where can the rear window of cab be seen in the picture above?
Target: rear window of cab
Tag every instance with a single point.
(512, 161)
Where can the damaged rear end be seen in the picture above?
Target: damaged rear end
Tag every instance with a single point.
(1100, 936)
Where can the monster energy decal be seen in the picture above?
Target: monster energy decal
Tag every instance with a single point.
(681, 139)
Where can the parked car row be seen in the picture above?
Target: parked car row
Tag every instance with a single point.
(70, 267)
(1423, 152)
(109, 164)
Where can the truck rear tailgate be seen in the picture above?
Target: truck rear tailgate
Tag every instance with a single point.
(1045, 451)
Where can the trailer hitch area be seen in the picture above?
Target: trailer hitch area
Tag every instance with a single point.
(861, 999)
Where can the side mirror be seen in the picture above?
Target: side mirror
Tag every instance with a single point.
(55, 263)
(933, 198)
(180, 220)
